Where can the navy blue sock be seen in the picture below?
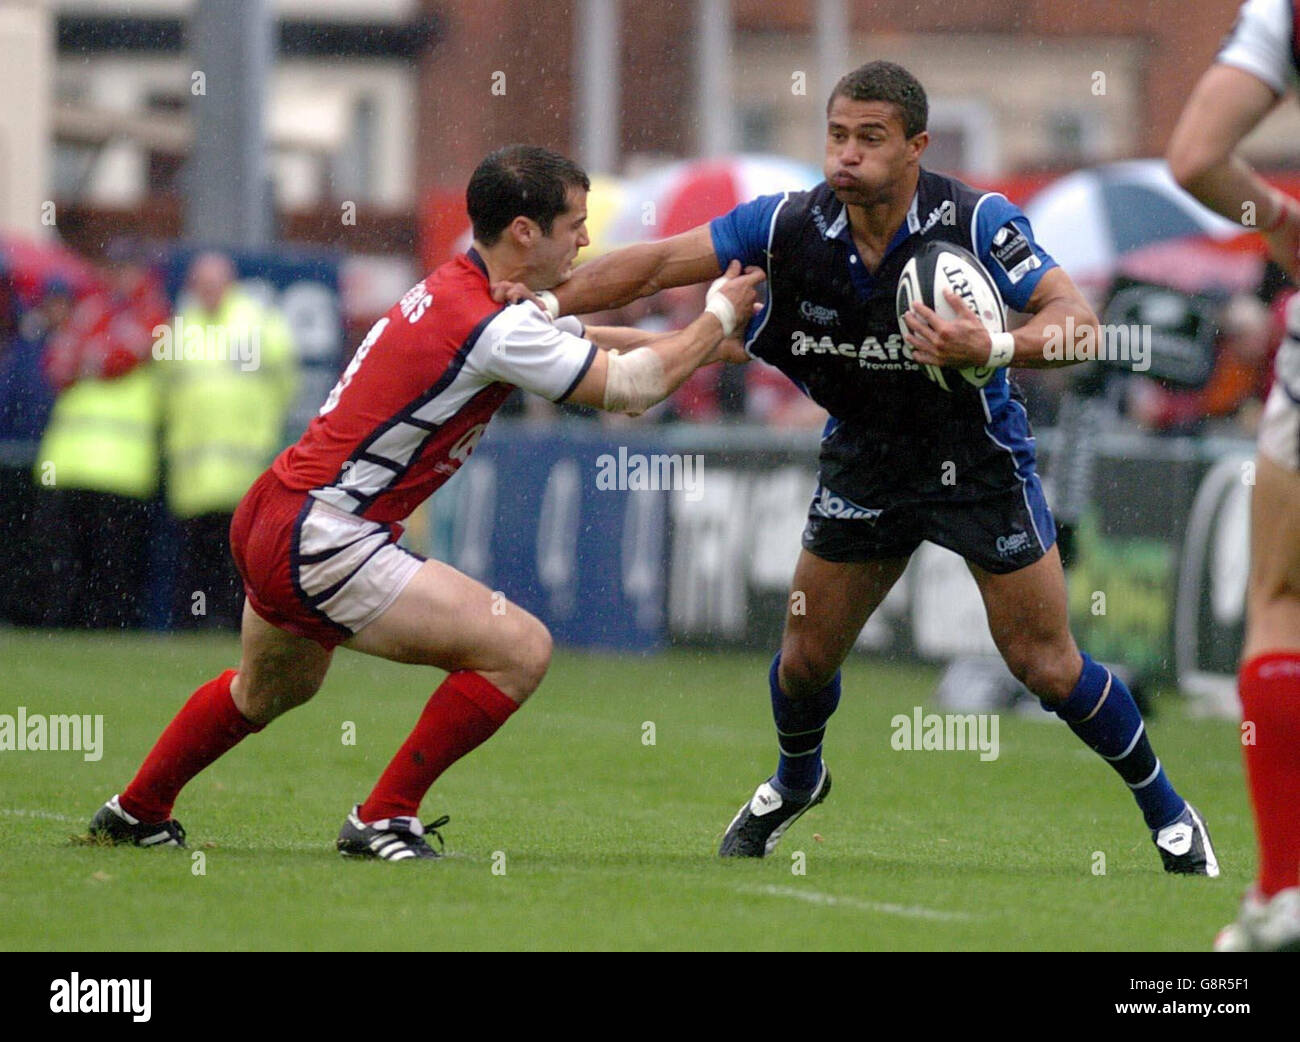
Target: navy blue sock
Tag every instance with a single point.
(1101, 711)
(800, 728)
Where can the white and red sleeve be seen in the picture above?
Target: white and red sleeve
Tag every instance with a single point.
(521, 346)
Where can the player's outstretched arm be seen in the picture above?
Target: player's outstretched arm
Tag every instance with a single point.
(1226, 105)
(624, 338)
(638, 271)
(621, 338)
(632, 382)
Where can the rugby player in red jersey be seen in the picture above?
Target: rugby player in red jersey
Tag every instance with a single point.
(1256, 68)
(315, 538)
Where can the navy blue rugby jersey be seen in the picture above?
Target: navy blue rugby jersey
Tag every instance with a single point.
(830, 326)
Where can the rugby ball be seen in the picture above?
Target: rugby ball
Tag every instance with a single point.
(940, 266)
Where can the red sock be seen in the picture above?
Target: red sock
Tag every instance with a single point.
(462, 714)
(1270, 699)
(207, 726)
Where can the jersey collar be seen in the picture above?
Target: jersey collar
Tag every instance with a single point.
(472, 255)
(839, 229)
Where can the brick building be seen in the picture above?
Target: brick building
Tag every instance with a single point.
(386, 102)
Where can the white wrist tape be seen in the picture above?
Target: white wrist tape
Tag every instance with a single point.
(1002, 351)
(550, 302)
(634, 381)
(716, 304)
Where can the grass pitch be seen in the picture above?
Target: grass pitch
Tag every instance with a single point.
(569, 831)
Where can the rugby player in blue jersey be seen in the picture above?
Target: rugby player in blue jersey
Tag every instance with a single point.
(903, 458)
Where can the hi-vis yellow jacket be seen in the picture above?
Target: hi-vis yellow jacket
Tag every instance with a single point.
(103, 436)
(227, 381)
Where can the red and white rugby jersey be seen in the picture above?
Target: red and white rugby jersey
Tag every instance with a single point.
(1264, 42)
(419, 392)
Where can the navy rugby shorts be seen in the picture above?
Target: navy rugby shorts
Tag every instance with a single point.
(880, 495)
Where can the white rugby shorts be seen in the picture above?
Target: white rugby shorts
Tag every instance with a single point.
(349, 568)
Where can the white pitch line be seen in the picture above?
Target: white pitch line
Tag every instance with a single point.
(833, 901)
(48, 815)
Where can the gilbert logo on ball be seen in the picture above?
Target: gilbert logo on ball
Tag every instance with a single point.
(940, 266)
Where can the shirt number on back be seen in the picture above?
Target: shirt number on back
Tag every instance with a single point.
(364, 349)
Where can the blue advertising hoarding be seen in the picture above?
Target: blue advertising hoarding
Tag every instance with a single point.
(539, 516)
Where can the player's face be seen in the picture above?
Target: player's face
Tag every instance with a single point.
(554, 254)
(867, 151)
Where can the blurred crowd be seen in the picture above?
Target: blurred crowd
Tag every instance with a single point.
(1247, 328)
(129, 431)
(1249, 333)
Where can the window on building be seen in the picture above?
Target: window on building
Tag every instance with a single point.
(1072, 136)
(963, 138)
(163, 166)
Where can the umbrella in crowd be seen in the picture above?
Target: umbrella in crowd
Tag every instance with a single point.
(677, 197)
(1091, 219)
(1195, 265)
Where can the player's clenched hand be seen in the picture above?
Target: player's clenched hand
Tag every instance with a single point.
(1283, 242)
(959, 342)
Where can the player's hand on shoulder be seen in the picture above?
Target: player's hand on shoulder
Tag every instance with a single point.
(960, 342)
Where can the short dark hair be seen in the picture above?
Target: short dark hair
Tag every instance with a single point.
(885, 81)
(520, 181)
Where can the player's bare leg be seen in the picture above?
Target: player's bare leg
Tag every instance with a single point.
(277, 670)
(1273, 597)
(446, 619)
(1269, 685)
(829, 604)
(1029, 621)
(495, 654)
